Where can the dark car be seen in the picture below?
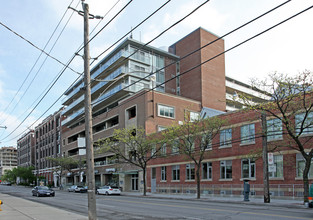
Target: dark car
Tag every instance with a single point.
(42, 191)
(81, 189)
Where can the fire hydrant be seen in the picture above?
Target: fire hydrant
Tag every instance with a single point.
(1, 204)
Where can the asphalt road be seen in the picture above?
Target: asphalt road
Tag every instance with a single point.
(130, 207)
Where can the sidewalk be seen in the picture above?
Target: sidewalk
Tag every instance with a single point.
(288, 202)
(14, 208)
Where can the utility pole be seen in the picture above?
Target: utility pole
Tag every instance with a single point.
(267, 198)
(92, 211)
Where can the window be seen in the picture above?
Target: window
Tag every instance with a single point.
(175, 172)
(194, 116)
(300, 166)
(247, 168)
(206, 142)
(274, 129)
(225, 137)
(190, 171)
(166, 111)
(190, 144)
(207, 171)
(247, 134)
(307, 123)
(278, 164)
(131, 112)
(153, 151)
(161, 128)
(175, 147)
(163, 173)
(163, 149)
(226, 169)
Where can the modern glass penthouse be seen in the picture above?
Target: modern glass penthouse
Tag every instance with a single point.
(130, 67)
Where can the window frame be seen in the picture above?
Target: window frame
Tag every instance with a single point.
(225, 141)
(163, 173)
(248, 138)
(176, 173)
(251, 168)
(279, 163)
(308, 126)
(209, 171)
(224, 175)
(273, 135)
(165, 109)
(190, 172)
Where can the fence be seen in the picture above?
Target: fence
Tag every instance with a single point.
(276, 190)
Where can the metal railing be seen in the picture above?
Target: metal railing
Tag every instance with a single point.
(276, 190)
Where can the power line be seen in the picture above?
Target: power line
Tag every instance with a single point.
(42, 62)
(32, 44)
(200, 49)
(52, 84)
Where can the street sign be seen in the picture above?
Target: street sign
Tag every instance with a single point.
(270, 158)
(272, 168)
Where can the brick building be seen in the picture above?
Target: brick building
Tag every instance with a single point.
(132, 86)
(234, 157)
(47, 144)
(26, 150)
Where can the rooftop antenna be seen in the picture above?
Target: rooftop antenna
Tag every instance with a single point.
(131, 33)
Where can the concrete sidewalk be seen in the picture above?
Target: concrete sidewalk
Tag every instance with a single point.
(287, 202)
(14, 208)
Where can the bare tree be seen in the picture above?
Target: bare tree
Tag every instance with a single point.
(132, 146)
(194, 139)
(291, 104)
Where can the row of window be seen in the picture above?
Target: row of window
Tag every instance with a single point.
(247, 132)
(248, 169)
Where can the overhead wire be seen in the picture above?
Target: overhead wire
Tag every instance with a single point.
(34, 63)
(236, 46)
(52, 84)
(44, 61)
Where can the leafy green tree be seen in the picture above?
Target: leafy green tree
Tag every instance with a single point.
(24, 173)
(63, 164)
(291, 102)
(132, 146)
(194, 140)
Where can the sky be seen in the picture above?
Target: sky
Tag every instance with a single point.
(26, 72)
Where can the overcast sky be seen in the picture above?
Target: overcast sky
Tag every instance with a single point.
(286, 49)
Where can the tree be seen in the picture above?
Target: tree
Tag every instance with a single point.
(62, 164)
(25, 173)
(194, 139)
(291, 103)
(132, 146)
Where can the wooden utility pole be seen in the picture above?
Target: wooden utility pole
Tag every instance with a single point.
(267, 198)
(92, 211)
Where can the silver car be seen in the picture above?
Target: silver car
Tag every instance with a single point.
(72, 188)
(109, 190)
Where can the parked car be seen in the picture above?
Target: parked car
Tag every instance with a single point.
(72, 188)
(42, 191)
(81, 189)
(109, 190)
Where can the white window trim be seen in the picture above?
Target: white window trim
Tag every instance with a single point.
(159, 104)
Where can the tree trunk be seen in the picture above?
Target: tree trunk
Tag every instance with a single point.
(144, 182)
(198, 180)
(306, 179)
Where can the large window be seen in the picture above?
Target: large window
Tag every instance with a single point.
(247, 168)
(175, 147)
(247, 134)
(307, 123)
(190, 171)
(175, 172)
(277, 167)
(163, 149)
(225, 137)
(300, 166)
(166, 111)
(207, 171)
(163, 173)
(194, 116)
(226, 169)
(274, 129)
(206, 142)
